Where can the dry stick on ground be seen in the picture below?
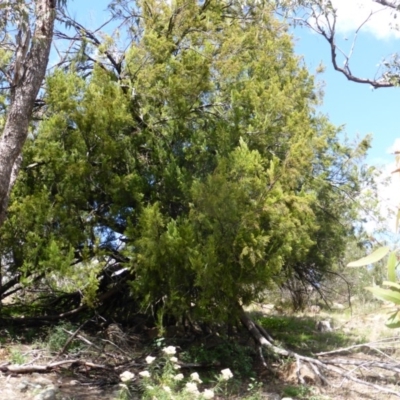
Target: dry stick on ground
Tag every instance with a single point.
(395, 367)
(85, 340)
(370, 345)
(116, 346)
(319, 365)
(88, 342)
(27, 369)
(336, 366)
(70, 339)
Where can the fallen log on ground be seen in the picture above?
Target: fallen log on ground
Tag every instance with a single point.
(319, 365)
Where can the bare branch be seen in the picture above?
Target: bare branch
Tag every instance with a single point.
(334, 366)
(82, 33)
(386, 3)
(323, 19)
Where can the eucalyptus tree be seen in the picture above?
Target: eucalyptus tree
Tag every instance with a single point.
(24, 60)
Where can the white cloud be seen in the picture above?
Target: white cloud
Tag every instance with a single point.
(352, 13)
(394, 147)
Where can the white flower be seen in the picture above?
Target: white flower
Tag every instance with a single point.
(176, 366)
(174, 359)
(145, 374)
(195, 377)
(169, 351)
(150, 359)
(126, 376)
(167, 389)
(226, 374)
(191, 387)
(208, 394)
(178, 377)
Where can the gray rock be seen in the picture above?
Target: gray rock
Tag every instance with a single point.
(23, 386)
(48, 394)
(324, 326)
(272, 396)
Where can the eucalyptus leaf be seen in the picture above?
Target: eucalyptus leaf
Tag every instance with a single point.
(392, 264)
(393, 285)
(386, 294)
(394, 321)
(370, 259)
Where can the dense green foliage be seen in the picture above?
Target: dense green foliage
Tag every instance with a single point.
(203, 167)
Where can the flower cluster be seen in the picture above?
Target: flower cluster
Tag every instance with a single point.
(126, 376)
(226, 374)
(169, 351)
(170, 382)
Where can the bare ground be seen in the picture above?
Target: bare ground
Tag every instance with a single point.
(85, 384)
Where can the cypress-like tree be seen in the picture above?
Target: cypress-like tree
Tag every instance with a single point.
(202, 167)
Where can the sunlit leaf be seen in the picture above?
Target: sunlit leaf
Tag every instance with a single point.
(385, 294)
(370, 259)
(393, 321)
(392, 264)
(394, 285)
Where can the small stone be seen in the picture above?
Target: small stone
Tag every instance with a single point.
(23, 386)
(324, 326)
(48, 394)
(74, 382)
(273, 396)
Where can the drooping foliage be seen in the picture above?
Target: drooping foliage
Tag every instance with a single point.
(203, 167)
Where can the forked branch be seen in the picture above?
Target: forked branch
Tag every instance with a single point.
(323, 20)
(321, 366)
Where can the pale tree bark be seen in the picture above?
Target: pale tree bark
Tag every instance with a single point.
(30, 64)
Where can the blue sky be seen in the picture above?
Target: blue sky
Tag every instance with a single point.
(358, 107)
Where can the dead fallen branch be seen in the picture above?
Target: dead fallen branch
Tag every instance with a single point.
(70, 339)
(28, 369)
(318, 366)
(394, 367)
(375, 346)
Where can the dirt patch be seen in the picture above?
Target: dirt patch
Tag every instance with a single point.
(280, 380)
(33, 386)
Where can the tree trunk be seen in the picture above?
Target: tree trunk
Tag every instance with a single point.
(29, 71)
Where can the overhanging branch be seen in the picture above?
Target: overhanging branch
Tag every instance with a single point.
(391, 4)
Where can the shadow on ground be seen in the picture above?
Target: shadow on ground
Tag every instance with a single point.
(300, 334)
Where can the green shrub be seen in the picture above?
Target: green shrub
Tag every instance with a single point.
(227, 353)
(58, 336)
